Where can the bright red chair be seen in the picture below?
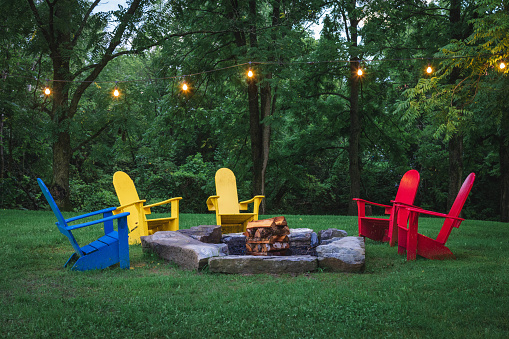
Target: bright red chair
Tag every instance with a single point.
(383, 229)
(413, 243)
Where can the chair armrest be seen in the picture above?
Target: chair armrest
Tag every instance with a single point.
(403, 204)
(119, 208)
(99, 221)
(212, 202)
(162, 202)
(371, 203)
(106, 210)
(436, 214)
(256, 200)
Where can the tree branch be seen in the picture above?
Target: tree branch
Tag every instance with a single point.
(107, 57)
(40, 24)
(78, 33)
(141, 49)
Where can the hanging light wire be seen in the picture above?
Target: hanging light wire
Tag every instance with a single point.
(502, 65)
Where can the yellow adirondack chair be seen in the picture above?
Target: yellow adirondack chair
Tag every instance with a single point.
(226, 204)
(137, 220)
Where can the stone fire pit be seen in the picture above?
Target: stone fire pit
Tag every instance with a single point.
(193, 249)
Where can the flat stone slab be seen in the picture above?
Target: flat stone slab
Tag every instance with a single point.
(248, 264)
(347, 254)
(210, 234)
(186, 252)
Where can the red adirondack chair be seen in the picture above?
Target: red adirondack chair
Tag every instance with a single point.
(383, 229)
(413, 243)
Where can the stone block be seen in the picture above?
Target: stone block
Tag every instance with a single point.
(303, 241)
(236, 243)
(248, 264)
(186, 252)
(210, 234)
(329, 235)
(344, 255)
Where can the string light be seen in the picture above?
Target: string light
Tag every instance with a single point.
(116, 93)
(47, 90)
(359, 69)
(250, 74)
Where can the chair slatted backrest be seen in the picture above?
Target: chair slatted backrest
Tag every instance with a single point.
(406, 193)
(127, 194)
(226, 189)
(456, 208)
(61, 223)
(124, 187)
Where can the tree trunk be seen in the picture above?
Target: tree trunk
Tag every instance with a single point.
(62, 153)
(2, 163)
(355, 124)
(455, 167)
(504, 182)
(256, 135)
(61, 43)
(61, 163)
(354, 138)
(504, 167)
(260, 107)
(456, 143)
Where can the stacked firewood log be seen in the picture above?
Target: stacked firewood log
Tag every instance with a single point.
(267, 237)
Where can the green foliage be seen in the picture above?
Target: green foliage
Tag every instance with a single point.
(193, 181)
(88, 197)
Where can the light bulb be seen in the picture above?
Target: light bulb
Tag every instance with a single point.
(250, 73)
(116, 93)
(359, 72)
(184, 87)
(502, 65)
(47, 91)
(429, 70)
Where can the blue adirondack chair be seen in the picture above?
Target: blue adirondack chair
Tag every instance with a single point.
(108, 250)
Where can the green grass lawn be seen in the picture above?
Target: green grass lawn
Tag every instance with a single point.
(463, 298)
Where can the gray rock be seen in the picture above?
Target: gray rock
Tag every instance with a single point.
(205, 233)
(304, 236)
(329, 235)
(303, 241)
(236, 243)
(249, 264)
(186, 252)
(344, 255)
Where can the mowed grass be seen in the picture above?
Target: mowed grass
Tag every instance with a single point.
(463, 298)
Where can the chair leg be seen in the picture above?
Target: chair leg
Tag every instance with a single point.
(123, 244)
(72, 258)
(411, 243)
(402, 236)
